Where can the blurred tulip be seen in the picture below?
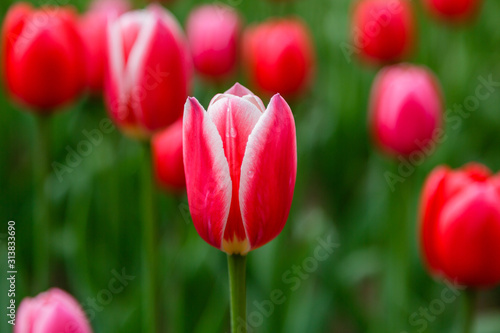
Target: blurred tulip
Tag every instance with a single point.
(167, 157)
(43, 62)
(50, 312)
(241, 163)
(383, 30)
(279, 56)
(93, 27)
(213, 33)
(149, 71)
(454, 10)
(405, 109)
(460, 225)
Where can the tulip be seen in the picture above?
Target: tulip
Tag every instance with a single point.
(149, 71)
(213, 33)
(460, 225)
(50, 312)
(279, 56)
(240, 161)
(454, 10)
(168, 158)
(43, 61)
(382, 30)
(93, 27)
(405, 109)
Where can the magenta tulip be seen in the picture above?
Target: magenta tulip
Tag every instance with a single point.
(406, 109)
(148, 72)
(241, 163)
(42, 60)
(53, 311)
(213, 34)
(93, 28)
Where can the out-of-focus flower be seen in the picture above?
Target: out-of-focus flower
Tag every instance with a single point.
(279, 56)
(50, 312)
(168, 159)
(454, 10)
(382, 31)
(93, 28)
(148, 72)
(405, 109)
(241, 163)
(213, 35)
(460, 225)
(43, 62)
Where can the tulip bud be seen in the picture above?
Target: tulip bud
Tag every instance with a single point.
(93, 28)
(382, 30)
(43, 61)
(149, 71)
(213, 33)
(50, 312)
(405, 109)
(167, 157)
(279, 56)
(460, 225)
(241, 163)
(454, 10)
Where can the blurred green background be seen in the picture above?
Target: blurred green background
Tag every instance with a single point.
(341, 194)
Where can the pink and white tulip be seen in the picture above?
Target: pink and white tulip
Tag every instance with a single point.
(50, 312)
(213, 35)
(241, 162)
(148, 72)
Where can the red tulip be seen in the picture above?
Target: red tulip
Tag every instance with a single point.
(383, 30)
(51, 312)
(213, 32)
(405, 109)
(149, 71)
(279, 56)
(93, 28)
(454, 10)
(460, 225)
(241, 162)
(167, 157)
(43, 61)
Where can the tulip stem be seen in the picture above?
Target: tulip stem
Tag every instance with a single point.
(41, 217)
(237, 289)
(149, 248)
(468, 316)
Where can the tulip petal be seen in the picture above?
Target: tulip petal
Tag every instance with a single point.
(268, 173)
(235, 118)
(207, 174)
(431, 204)
(468, 236)
(239, 90)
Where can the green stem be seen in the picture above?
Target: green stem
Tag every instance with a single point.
(237, 289)
(41, 213)
(149, 245)
(468, 315)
